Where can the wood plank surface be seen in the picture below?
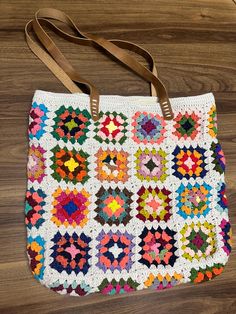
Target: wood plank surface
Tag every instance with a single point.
(194, 44)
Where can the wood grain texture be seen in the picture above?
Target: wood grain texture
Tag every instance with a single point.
(194, 43)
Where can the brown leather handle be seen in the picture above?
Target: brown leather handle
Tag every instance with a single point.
(120, 43)
(82, 39)
(64, 71)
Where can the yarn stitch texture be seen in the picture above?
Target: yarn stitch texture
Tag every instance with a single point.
(126, 203)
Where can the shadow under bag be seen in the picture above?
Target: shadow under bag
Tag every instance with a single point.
(124, 193)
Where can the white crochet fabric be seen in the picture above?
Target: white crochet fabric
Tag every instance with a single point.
(127, 203)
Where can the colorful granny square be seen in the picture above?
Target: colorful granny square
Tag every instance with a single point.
(113, 206)
(112, 165)
(189, 162)
(69, 165)
(160, 282)
(218, 157)
(111, 128)
(74, 288)
(158, 247)
(70, 253)
(71, 124)
(222, 201)
(206, 274)
(154, 204)
(36, 251)
(34, 208)
(37, 120)
(115, 251)
(193, 200)
(36, 163)
(226, 233)
(148, 128)
(212, 122)
(70, 207)
(118, 287)
(151, 164)
(198, 240)
(186, 126)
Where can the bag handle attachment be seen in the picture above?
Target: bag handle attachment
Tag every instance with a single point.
(64, 71)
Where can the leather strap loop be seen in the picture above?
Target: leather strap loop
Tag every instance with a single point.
(65, 72)
(120, 43)
(84, 40)
(65, 65)
(140, 70)
(49, 62)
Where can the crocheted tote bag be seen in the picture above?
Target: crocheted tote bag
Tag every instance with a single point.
(124, 193)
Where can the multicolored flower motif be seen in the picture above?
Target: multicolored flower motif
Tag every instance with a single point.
(34, 204)
(193, 200)
(154, 204)
(222, 201)
(69, 165)
(70, 207)
(218, 157)
(71, 124)
(117, 287)
(157, 247)
(115, 251)
(189, 162)
(148, 128)
(74, 288)
(186, 126)
(113, 206)
(70, 253)
(205, 274)
(198, 240)
(226, 233)
(35, 251)
(37, 118)
(160, 282)
(112, 165)
(212, 122)
(151, 164)
(111, 128)
(36, 164)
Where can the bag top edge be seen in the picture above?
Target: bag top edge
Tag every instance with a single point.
(46, 95)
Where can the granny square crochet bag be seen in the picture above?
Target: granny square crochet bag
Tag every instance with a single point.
(124, 193)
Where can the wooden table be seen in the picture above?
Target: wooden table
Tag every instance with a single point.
(194, 43)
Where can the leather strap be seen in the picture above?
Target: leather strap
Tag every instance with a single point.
(64, 71)
(82, 39)
(120, 43)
